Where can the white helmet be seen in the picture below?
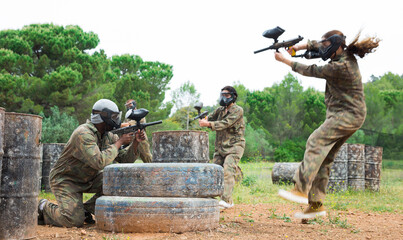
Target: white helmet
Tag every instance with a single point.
(108, 111)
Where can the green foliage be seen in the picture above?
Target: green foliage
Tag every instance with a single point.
(57, 127)
(290, 151)
(383, 125)
(248, 181)
(184, 99)
(257, 146)
(43, 65)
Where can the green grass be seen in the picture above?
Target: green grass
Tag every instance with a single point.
(257, 187)
(392, 164)
(51, 197)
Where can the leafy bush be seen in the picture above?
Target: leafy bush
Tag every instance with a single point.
(58, 127)
(249, 181)
(257, 146)
(290, 151)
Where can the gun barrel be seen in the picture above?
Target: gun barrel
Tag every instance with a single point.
(262, 50)
(201, 115)
(282, 44)
(152, 123)
(134, 128)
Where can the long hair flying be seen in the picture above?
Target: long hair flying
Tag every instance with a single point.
(359, 48)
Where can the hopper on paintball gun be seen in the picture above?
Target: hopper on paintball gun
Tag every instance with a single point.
(135, 115)
(198, 106)
(274, 33)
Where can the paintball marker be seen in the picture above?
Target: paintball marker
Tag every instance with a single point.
(274, 33)
(198, 106)
(135, 115)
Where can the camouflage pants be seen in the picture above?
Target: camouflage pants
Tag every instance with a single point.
(144, 151)
(70, 209)
(231, 171)
(322, 146)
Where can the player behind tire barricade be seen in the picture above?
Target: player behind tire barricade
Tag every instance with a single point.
(229, 125)
(90, 148)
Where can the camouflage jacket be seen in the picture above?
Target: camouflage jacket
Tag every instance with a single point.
(344, 90)
(86, 153)
(230, 128)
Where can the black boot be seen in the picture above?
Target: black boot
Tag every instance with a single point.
(88, 218)
(41, 205)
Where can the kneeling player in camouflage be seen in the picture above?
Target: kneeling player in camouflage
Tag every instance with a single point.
(79, 169)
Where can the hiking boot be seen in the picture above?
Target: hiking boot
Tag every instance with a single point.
(41, 205)
(312, 211)
(293, 195)
(88, 218)
(224, 205)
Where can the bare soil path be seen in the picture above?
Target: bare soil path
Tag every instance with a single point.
(262, 221)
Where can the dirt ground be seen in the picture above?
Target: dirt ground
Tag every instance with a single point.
(262, 221)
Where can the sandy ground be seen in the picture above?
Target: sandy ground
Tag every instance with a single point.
(262, 221)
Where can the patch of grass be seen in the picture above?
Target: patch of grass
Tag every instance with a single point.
(338, 222)
(258, 188)
(340, 206)
(331, 220)
(248, 181)
(51, 197)
(392, 164)
(275, 216)
(315, 221)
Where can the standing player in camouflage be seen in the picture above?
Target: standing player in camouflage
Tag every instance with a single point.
(79, 169)
(143, 149)
(345, 113)
(229, 125)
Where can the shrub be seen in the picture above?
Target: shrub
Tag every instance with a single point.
(58, 127)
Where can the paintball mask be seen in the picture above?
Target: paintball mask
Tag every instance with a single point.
(226, 98)
(109, 112)
(335, 42)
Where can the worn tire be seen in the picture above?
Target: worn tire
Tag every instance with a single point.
(283, 172)
(164, 180)
(138, 214)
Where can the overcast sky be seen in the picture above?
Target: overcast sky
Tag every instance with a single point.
(211, 42)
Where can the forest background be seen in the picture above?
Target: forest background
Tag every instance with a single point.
(54, 71)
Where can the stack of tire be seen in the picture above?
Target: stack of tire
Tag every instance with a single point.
(163, 196)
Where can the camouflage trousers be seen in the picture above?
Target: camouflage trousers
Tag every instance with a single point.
(70, 209)
(232, 172)
(322, 146)
(144, 151)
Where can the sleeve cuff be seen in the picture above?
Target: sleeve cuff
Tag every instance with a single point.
(212, 126)
(294, 66)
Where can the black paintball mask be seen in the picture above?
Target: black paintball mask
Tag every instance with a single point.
(336, 41)
(111, 118)
(224, 101)
(133, 105)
